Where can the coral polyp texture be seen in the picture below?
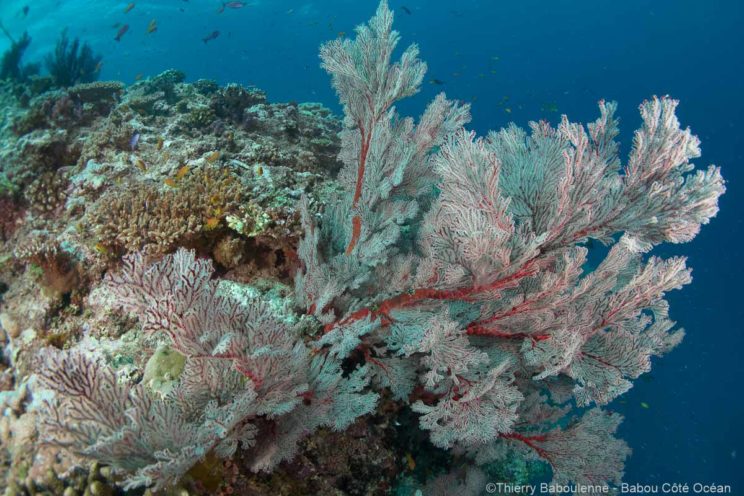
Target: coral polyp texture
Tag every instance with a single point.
(250, 311)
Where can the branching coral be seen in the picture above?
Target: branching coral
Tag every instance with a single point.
(156, 219)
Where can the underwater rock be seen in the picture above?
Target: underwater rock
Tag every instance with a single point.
(230, 102)
(99, 91)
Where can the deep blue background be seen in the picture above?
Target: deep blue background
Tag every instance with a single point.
(518, 60)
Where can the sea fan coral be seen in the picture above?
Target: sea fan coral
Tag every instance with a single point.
(482, 236)
(243, 367)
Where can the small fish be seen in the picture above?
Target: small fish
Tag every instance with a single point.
(259, 171)
(100, 248)
(436, 81)
(159, 143)
(549, 107)
(99, 66)
(134, 141)
(645, 405)
(181, 172)
(507, 110)
(341, 34)
(121, 32)
(211, 36)
(25, 10)
(138, 76)
(212, 157)
(410, 462)
(212, 223)
(231, 5)
(406, 9)
(128, 7)
(152, 27)
(170, 182)
(140, 164)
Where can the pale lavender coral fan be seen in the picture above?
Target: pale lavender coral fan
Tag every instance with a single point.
(241, 364)
(454, 265)
(463, 256)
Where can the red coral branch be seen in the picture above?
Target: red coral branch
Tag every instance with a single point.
(530, 441)
(405, 300)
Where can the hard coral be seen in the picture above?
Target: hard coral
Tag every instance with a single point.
(47, 193)
(156, 220)
(60, 272)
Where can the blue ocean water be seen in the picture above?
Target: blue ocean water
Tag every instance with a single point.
(515, 60)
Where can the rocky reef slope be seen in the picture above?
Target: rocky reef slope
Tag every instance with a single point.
(98, 170)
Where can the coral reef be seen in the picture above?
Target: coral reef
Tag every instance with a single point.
(210, 293)
(77, 193)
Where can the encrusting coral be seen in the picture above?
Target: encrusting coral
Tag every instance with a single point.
(440, 276)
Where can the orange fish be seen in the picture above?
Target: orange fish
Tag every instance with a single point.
(211, 223)
(410, 462)
(170, 182)
(182, 172)
(140, 164)
(212, 157)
